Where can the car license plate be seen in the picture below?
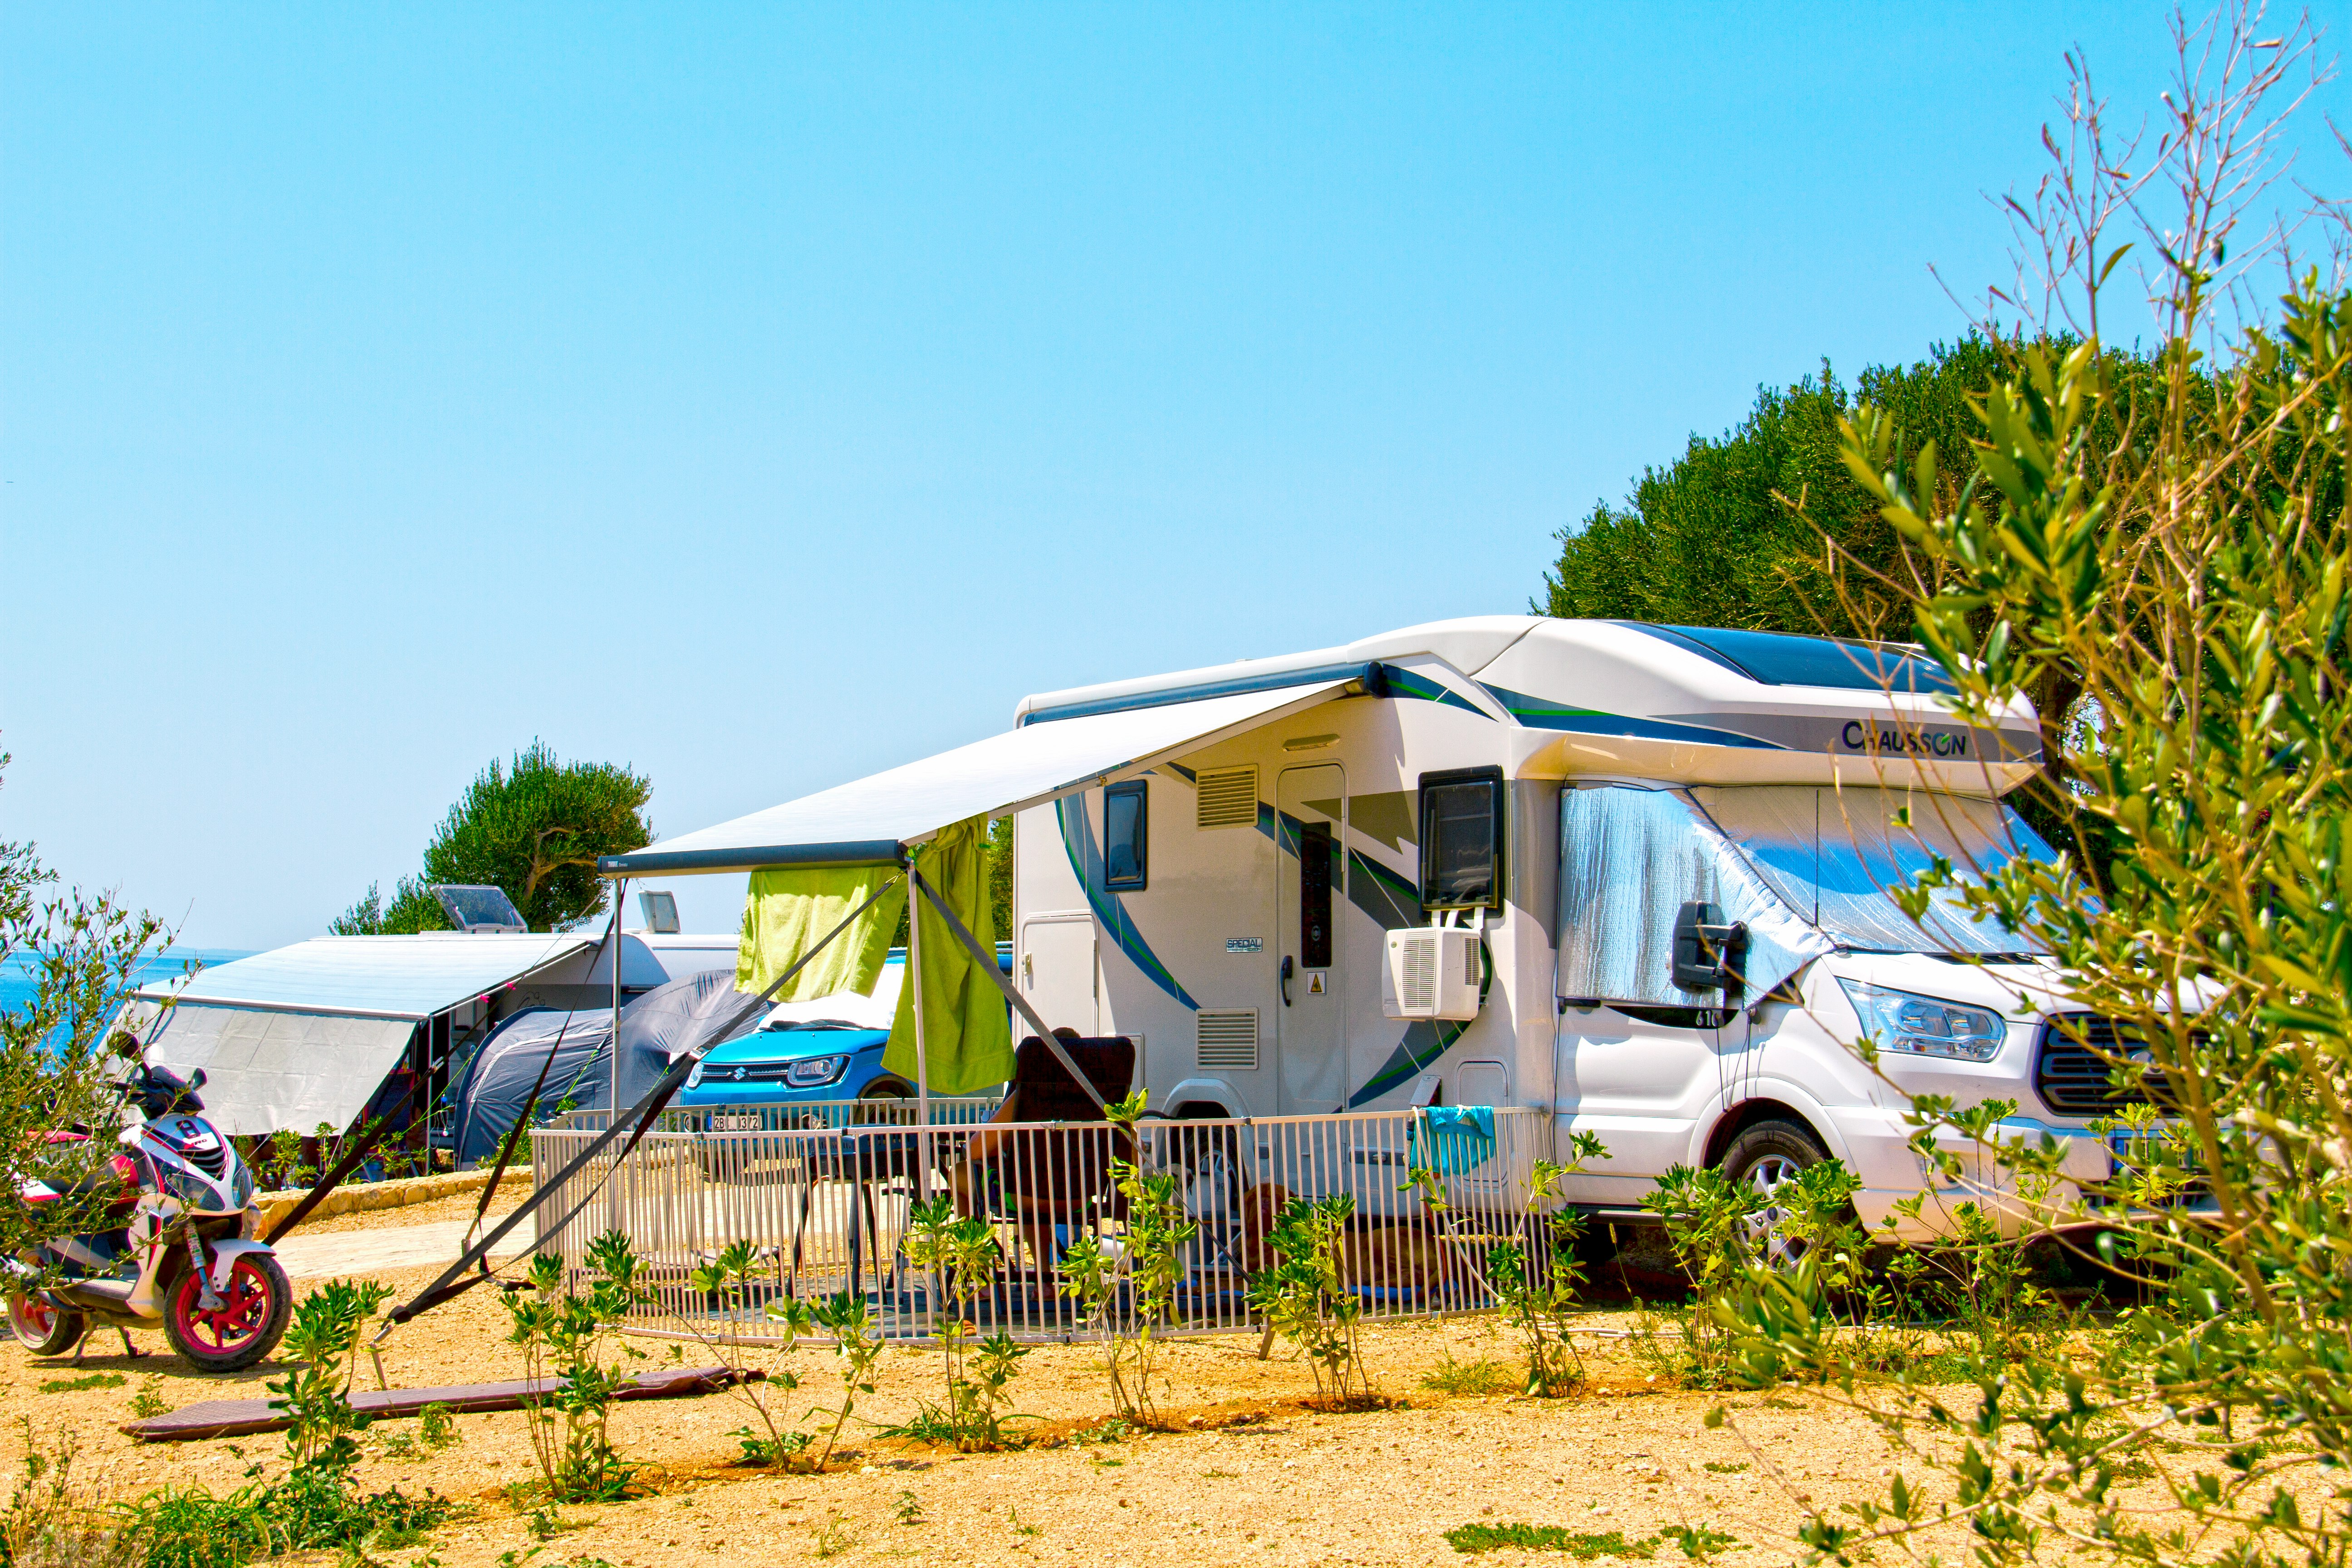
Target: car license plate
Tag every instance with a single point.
(735, 1121)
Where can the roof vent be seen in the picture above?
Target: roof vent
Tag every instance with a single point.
(478, 909)
(1228, 797)
(1227, 1041)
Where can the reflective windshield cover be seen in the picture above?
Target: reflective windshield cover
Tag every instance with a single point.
(1832, 855)
(1630, 858)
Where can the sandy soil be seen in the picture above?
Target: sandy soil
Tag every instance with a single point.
(1254, 1478)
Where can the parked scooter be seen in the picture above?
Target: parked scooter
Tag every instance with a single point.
(186, 1254)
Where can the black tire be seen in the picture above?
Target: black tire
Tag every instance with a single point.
(256, 1328)
(44, 1328)
(1764, 1156)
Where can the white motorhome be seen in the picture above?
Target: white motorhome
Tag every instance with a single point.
(1635, 875)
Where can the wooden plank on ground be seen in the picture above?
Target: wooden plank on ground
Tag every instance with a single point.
(239, 1417)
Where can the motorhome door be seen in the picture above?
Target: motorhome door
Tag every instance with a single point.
(1059, 972)
(1311, 1012)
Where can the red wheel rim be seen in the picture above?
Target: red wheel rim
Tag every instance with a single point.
(38, 1315)
(243, 1313)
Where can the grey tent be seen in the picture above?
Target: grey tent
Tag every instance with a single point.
(489, 1094)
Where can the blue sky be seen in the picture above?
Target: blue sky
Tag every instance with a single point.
(763, 396)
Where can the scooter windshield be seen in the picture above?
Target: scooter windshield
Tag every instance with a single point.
(1834, 854)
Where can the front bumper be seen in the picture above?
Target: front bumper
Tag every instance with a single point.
(1893, 1173)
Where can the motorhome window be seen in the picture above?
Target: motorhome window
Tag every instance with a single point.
(1315, 895)
(1778, 658)
(1836, 856)
(1461, 839)
(1127, 836)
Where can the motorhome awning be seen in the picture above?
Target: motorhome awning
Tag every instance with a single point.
(410, 977)
(265, 1070)
(872, 820)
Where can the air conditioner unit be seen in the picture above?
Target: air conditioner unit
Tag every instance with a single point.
(1432, 973)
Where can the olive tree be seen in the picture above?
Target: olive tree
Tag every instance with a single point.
(533, 827)
(80, 956)
(2186, 571)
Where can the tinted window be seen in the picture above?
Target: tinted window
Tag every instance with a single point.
(1461, 839)
(1126, 836)
(1777, 659)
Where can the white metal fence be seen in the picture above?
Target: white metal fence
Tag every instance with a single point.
(823, 1194)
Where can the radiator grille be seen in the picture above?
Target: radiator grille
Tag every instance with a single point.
(1228, 797)
(2070, 1075)
(1228, 1039)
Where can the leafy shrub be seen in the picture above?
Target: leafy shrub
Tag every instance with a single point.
(323, 1334)
(727, 1283)
(1306, 1298)
(1144, 1265)
(562, 1333)
(961, 1254)
(856, 1348)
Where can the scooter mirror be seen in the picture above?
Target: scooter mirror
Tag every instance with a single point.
(196, 1078)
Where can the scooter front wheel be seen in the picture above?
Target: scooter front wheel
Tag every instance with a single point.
(42, 1326)
(245, 1326)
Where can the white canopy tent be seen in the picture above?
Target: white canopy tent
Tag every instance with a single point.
(307, 1034)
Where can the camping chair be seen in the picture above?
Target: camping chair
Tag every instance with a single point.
(1050, 1180)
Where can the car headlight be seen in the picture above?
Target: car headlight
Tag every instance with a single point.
(815, 1070)
(694, 1076)
(1926, 1026)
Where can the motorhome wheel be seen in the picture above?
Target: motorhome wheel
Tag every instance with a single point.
(44, 1328)
(248, 1324)
(1764, 1156)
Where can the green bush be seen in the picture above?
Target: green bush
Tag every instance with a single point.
(2189, 580)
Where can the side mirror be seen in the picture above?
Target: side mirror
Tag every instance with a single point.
(1708, 949)
(195, 1077)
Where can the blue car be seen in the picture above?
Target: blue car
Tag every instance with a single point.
(804, 1053)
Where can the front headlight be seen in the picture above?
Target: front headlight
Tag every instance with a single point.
(1926, 1026)
(815, 1071)
(193, 1191)
(694, 1076)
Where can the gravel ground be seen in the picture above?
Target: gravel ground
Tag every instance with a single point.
(1253, 1476)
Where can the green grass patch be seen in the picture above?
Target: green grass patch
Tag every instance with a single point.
(76, 1384)
(1485, 1376)
(1720, 1468)
(1583, 1545)
(192, 1527)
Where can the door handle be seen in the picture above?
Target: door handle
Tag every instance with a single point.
(1286, 980)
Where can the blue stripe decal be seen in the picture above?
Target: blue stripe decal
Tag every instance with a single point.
(1543, 713)
(1415, 1054)
(1111, 911)
(1390, 900)
(1406, 683)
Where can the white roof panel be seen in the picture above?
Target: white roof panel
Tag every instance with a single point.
(867, 821)
(375, 976)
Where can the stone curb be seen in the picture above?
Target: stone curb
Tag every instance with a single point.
(356, 1197)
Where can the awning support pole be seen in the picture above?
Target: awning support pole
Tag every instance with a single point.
(922, 1057)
